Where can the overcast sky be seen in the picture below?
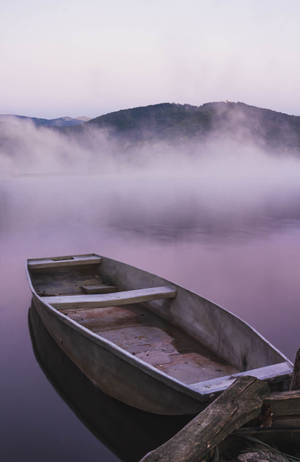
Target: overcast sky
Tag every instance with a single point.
(89, 57)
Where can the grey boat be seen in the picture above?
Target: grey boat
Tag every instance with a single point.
(144, 340)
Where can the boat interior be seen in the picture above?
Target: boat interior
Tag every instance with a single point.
(75, 286)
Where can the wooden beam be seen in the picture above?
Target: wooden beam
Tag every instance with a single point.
(295, 381)
(60, 262)
(240, 403)
(112, 299)
(284, 409)
(284, 403)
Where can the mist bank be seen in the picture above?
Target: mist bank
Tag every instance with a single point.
(215, 202)
(194, 186)
(145, 136)
(134, 135)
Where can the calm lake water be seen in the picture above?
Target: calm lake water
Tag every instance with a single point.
(248, 264)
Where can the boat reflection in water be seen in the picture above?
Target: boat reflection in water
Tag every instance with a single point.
(128, 432)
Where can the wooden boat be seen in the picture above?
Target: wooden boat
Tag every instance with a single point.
(144, 340)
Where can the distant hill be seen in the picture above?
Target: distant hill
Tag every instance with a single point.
(176, 122)
(58, 122)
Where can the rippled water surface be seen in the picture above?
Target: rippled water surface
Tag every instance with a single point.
(248, 264)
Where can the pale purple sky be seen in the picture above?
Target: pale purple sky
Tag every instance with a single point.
(75, 57)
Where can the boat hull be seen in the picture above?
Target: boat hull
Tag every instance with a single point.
(114, 375)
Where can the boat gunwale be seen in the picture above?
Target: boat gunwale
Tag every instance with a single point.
(146, 367)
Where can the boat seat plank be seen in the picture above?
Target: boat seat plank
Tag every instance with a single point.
(98, 288)
(117, 298)
(61, 262)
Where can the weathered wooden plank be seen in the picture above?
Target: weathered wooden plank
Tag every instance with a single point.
(117, 298)
(240, 403)
(58, 262)
(288, 421)
(98, 288)
(295, 381)
(284, 403)
(283, 409)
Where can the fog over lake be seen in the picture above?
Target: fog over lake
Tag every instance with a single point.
(221, 220)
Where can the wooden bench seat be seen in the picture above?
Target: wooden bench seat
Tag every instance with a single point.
(111, 299)
(61, 262)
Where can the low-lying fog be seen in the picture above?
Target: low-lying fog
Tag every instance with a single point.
(222, 219)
